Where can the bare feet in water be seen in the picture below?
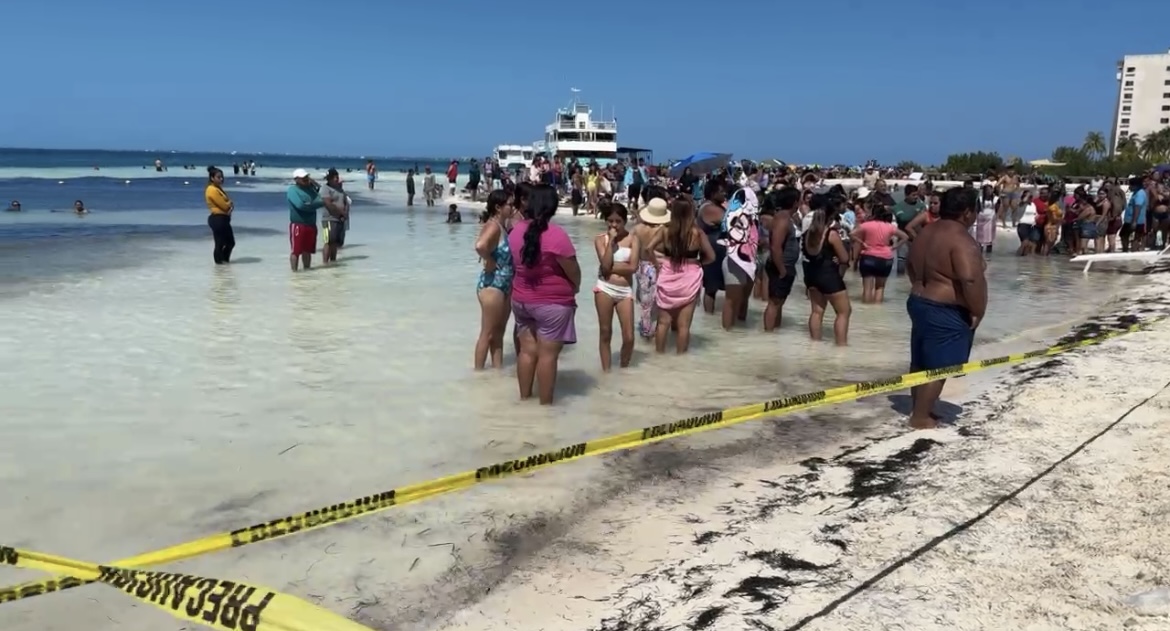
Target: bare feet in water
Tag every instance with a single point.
(931, 422)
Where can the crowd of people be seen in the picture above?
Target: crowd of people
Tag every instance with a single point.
(658, 265)
(672, 245)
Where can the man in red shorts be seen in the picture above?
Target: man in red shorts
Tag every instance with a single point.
(303, 201)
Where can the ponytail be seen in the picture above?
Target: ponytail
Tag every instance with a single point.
(816, 229)
(542, 205)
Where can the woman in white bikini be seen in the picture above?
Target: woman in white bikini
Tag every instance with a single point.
(618, 252)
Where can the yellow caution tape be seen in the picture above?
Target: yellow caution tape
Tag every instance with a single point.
(229, 605)
(345, 511)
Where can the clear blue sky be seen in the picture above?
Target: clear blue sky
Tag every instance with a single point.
(801, 81)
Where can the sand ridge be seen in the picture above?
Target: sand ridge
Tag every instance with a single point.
(771, 547)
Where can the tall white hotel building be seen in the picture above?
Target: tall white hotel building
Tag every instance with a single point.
(1143, 97)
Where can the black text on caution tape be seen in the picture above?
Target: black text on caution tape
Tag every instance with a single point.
(868, 386)
(795, 401)
(221, 603)
(225, 604)
(311, 519)
(666, 429)
(535, 460)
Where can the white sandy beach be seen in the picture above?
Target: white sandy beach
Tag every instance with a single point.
(772, 542)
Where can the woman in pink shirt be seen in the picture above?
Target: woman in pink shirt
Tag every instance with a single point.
(879, 239)
(544, 292)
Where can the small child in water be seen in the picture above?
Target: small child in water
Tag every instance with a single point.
(453, 215)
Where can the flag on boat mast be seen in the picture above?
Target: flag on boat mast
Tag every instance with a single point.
(574, 90)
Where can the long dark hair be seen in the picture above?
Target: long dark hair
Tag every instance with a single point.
(826, 210)
(495, 199)
(680, 228)
(542, 205)
(212, 172)
(520, 198)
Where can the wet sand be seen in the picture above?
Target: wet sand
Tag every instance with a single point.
(886, 532)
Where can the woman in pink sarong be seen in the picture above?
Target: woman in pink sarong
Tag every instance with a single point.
(680, 274)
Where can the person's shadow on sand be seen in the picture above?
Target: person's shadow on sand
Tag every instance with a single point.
(245, 260)
(948, 413)
(574, 382)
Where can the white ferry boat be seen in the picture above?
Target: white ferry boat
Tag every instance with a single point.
(574, 133)
(514, 157)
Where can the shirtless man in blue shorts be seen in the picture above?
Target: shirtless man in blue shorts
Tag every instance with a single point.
(948, 297)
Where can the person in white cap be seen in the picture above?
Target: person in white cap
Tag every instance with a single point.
(304, 198)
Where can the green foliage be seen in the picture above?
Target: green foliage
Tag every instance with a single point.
(910, 165)
(972, 163)
(1134, 155)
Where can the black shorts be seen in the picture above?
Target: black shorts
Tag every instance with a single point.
(634, 193)
(780, 287)
(822, 278)
(1128, 230)
(333, 232)
(713, 273)
(874, 267)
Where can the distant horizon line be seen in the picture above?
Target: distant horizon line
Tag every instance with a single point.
(227, 153)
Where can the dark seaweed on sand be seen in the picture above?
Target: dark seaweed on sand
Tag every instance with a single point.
(882, 478)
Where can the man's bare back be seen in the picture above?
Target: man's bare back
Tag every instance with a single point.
(946, 265)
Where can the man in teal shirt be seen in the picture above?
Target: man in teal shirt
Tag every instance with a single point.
(904, 212)
(304, 199)
(909, 208)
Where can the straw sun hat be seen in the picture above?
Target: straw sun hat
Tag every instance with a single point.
(655, 212)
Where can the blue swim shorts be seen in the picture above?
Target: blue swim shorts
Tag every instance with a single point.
(940, 334)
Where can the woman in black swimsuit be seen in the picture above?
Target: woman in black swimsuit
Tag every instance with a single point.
(826, 259)
(711, 223)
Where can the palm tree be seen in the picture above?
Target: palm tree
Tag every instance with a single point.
(1156, 146)
(1094, 145)
(1127, 146)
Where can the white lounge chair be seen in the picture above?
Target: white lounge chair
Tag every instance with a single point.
(1146, 256)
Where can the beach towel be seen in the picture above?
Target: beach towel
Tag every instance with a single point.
(741, 230)
(646, 282)
(678, 285)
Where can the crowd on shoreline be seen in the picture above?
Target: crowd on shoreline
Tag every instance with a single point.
(741, 232)
(652, 276)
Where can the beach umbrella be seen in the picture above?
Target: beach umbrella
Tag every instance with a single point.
(1162, 168)
(700, 163)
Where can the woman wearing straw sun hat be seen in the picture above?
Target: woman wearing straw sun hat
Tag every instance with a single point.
(652, 219)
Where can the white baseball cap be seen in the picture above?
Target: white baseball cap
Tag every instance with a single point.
(300, 173)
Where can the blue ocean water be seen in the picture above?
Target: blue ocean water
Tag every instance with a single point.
(47, 182)
(18, 158)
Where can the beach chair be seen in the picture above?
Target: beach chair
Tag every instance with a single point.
(1147, 257)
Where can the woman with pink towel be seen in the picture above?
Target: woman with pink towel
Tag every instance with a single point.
(680, 274)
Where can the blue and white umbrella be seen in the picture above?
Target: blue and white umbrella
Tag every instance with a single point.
(1163, 168)
(701, 163)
